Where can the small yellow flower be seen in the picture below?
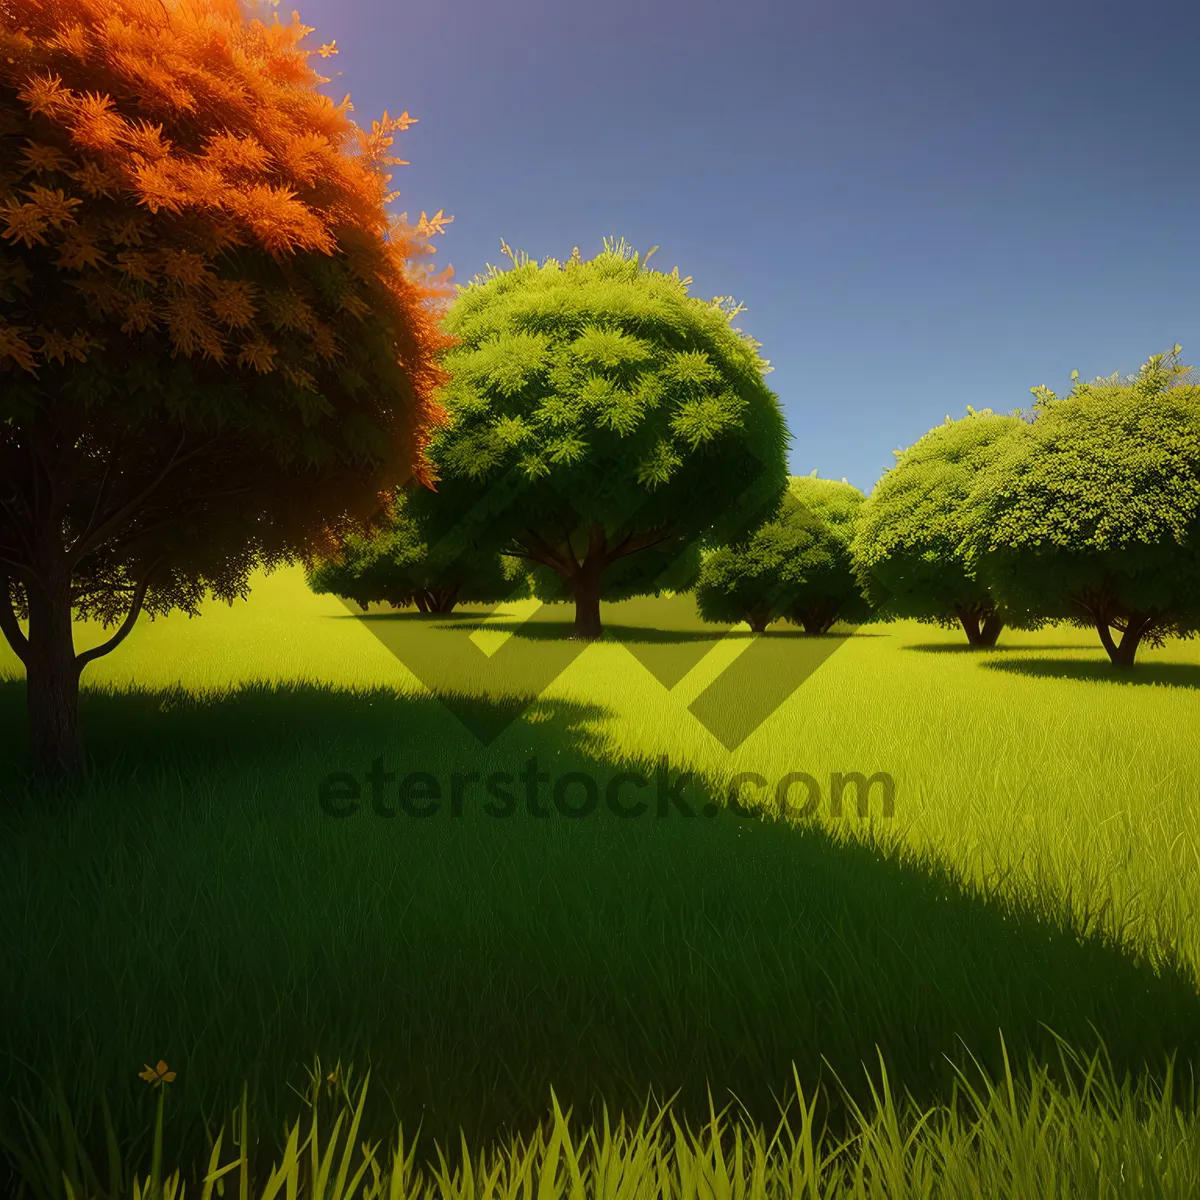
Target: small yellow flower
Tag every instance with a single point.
(157, 1075)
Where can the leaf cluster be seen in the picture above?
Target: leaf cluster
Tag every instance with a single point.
(599, 391)
(797, 564)
(907, 547)
(408, 556)
(215, 348)
(1095, 506)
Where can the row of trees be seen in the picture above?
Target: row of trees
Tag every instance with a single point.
(604, 429)
(1083, 508)
(219, 351)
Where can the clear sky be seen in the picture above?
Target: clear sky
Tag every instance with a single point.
(923, 204)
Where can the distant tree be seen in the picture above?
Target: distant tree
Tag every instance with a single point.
(215, 352)
(404, 564)
(599, 414)
(796, 565)
(907, 548)
(1091, 513)
(827, 589)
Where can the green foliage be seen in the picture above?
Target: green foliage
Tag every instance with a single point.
(408, 562)
(599, 395)
(796, 565)
(907, 547)
(1091, 513)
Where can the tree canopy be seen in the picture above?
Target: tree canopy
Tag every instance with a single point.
(907, 549)
(406, 563)
(216, 350)
(598, 413)
(1091, 513)
(796, 565)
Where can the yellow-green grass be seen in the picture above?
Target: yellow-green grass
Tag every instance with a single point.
(1042, 867)
(1035, 764)
(1023, 1138)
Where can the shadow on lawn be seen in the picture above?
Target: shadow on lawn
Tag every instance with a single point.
(640, 621)
(1181, 675)
(604, 957)
(135, 729)
(980, 651)
(553, 628)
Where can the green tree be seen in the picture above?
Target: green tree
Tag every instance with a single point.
(796, 565)
(1091, 513)
(600, 414)
(403, 564)
(215, 350)
(907, 548)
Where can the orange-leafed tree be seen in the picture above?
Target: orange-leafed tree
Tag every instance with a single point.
(218, 348)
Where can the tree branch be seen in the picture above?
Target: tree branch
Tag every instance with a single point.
(94, 535)
(86, 656)
(521, 551)
(174, 518)
(9, 625)
(564, 566)
(631, 543)
(565, 526)
(99, 495)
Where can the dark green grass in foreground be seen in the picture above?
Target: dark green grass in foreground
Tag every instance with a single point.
(195, 904)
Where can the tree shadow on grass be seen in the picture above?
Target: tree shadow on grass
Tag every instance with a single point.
(643, 620)
(127, 730)
(967, 649)
(1180, 675)
(557, 629)
(605, 957)
(554, 628)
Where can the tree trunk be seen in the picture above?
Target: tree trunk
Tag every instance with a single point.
(816, 620)
(991, 629)
(981, 626)
(443, 600)
(1124, 652)
(969, 620)
(421, 600)
(585, 588)
(758, 619)
(52, 679)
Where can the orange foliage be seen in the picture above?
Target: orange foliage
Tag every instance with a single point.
(154, 137)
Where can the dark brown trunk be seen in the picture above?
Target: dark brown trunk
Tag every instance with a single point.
(52, 678)
(421, 600)
(587, 608)
(758, 619)
(989, 632)
(1124, 652)
(443, 600)
(981, 626)
(969, 620)
(817, 620)
(585, 588)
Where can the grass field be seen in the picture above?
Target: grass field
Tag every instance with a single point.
(1040, 875)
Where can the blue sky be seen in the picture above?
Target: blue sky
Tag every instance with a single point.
(923, 204)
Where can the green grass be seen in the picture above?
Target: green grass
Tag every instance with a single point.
(1040, 876)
